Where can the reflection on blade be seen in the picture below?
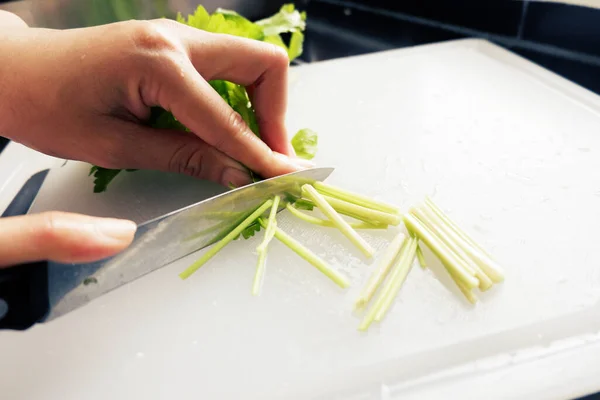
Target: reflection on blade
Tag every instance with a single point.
(169, 238)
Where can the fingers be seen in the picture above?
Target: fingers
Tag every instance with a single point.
(61, 237)
(194, 102)
(261, 67)
(138, 147)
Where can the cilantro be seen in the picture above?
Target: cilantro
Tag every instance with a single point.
(89, 281)
(287, 20)
(305, 143)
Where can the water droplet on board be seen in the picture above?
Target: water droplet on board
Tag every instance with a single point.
(139, 354)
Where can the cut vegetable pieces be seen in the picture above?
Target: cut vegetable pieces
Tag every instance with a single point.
(421, 257)
(223, 242)
(309, 256)
(374, 310)
(324, 222)
(448, 258)
(364, 213)
(484, 281)
(379, 275)
(397, 280)
(337, 220)
(262, 248)
(355, 198)
(479, 257)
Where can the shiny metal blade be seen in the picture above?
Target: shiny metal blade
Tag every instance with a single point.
(168, 238)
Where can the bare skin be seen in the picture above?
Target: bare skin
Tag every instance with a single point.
(84, 94)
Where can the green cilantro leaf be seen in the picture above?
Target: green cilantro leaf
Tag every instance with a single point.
(305, 143)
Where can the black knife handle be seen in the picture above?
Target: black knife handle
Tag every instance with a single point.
(24, 299)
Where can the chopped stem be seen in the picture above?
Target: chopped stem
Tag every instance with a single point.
(323, 222)
(447, 257)
(355, 198)
(228, 238)
(488, 266)
(260, 272)
(309, 256)
(366, 214)
(337, 220)
(397, 281)
(262, 248)
(345, 212)
(270, 229)
(385, 264)
(372, 313)
(465, 290)
(421, 257)
(451, 224)
(484, 281)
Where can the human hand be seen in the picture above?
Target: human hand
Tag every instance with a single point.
(61, 237)
(83, 94)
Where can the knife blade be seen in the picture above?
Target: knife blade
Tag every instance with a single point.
(157, 243)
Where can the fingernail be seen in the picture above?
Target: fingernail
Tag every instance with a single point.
(236, 177)
(118, 229)
(297, 163)
(303, 162)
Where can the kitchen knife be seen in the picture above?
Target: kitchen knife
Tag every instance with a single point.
(42, 291)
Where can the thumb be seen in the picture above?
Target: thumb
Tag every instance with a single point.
(62, 237)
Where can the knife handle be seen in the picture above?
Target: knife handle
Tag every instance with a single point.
(24, 299)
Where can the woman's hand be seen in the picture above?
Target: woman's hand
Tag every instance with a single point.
(84, 94)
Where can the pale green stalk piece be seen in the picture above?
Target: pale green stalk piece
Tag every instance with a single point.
(262, 248)
(465, 290)
(370, 316)
(484, 281)
(451, 224)
(480, 258)
(309, 256)
(355, 198)
(366, 214)
(448, 258)
(223, 242)
(345, 212)
(271, 224)
(421, 257)
(385, 264)
(397, 281)
(337, 220)
(323, 222)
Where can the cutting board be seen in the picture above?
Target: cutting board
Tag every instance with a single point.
(508, 149)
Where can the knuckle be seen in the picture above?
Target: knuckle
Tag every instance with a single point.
(278, 56)
(188, 160)
(48, 230)
(150, 36)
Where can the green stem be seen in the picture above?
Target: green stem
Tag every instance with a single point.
(421, 257)
(397, 281)
(484, 281)
(355, 198)
(366, 214)
(262, 248)
(488, 266)
(385, 264)
(223, 242)
(309, 256)
(337, 220)
(452, 225)
(374, 310)
(447, 257)
(322, 222)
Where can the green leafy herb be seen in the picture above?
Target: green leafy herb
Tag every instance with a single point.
(305, 143)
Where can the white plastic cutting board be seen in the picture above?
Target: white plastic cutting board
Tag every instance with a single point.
(510, 150)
